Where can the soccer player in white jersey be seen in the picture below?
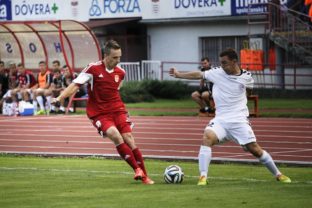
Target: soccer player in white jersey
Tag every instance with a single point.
(231, 120)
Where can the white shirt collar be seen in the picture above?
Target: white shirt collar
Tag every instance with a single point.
(109, 70)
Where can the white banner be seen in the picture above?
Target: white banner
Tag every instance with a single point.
(158, 9)
(50, 10)
(100, 9)
(83, 10)
(162, 9)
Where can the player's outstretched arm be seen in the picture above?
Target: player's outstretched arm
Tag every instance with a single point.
(69, 91)
(185, 75)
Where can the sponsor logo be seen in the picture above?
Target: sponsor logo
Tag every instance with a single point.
(127, 156)
(101, 76)
(197, 3)
(95, 9)
(98, 124)
(114, 7)
(35, 9)
(116, 78)
(5, 10)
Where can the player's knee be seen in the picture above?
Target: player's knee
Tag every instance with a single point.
(195, 95)
(114, 135)
(210, 138)
(205, 95)
(128, 138)
(254, 149)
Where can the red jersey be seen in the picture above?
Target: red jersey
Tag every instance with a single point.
(103, 89)
(24, 79)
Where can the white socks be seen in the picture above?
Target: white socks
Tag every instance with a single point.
(49, 98)
(40, 101)
(267, 160)
(204, 158)
(35, 104)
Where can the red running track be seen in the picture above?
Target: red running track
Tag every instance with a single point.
(288, 140)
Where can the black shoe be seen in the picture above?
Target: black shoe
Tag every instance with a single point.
(60, 112)
(211, 110)
(52, 112)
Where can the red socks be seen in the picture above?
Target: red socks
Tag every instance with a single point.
(126, 154)
(139, 159)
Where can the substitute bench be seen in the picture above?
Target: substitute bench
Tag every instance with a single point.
(72, 99)
(255, 99)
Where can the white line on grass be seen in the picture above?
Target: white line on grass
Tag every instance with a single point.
(113, 173)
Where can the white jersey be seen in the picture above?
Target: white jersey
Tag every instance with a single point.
(229, 94)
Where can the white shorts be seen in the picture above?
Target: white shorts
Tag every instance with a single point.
(240, 133)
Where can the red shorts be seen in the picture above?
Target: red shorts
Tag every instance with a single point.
(118, 119)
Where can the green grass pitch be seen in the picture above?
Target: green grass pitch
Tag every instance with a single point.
(37, 182)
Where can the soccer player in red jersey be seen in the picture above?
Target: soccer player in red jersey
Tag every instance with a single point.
(106, 109)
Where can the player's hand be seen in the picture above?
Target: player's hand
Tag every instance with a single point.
(173, 72)
(55, 102)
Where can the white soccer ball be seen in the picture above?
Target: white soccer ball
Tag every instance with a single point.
(173, 174)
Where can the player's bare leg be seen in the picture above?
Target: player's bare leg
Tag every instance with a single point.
(204, 156)
(197, 98)
(205, 97)
(266, 159)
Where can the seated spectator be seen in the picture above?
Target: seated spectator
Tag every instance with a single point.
(68, 78)
(8, 99)
(42, 89)
(13, 75)
(56, 65)
(26, 80)
(57, 86)
(202, 96)
(4, 82)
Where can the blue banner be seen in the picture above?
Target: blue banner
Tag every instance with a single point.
(5, 10)
(241, 7)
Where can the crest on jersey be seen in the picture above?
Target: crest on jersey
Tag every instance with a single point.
(116, 78)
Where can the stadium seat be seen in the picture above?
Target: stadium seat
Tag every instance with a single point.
(255, 99)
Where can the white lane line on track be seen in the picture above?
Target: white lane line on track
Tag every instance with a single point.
(136, 135)
(138, 141)
(162, 123)
(137, 138)
(146, 120)
(71, 120)
(139, 124)
(148, 131)
(149, 144)
(36, 118)
(69, 128)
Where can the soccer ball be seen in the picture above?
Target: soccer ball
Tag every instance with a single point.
(173, 174)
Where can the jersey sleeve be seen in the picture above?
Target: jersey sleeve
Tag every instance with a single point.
(83, 78)
(210, 75)
(249, 81)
